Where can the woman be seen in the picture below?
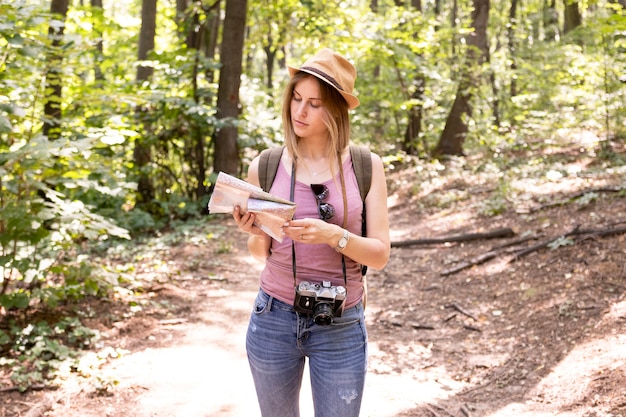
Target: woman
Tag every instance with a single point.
(321, 245)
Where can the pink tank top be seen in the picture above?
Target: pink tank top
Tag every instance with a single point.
(314, 262)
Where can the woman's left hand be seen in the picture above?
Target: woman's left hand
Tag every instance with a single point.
(312, 231)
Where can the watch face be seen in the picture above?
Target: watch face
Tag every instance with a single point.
(343, 242)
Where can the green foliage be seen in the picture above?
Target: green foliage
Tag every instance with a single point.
(587, 199)
(40, 223)
(38, 352)
(176, 123)
(43, 215)
(224, 247)
(561, 241)
(497, 203)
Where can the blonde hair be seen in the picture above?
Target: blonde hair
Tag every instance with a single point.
(337, 120)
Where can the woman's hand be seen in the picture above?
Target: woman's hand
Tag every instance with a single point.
(313, 231)
(245, 222)
(259, 242)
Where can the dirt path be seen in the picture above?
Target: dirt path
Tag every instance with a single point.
(204, 372)
(194, 364)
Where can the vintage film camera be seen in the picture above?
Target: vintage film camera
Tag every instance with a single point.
(324, 301)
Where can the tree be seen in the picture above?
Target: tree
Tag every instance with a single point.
(142, 154)
(571, 16)
(54, 86)
(146, 38)
(201, 30)
(416, 111)
(202, 40)
(454, 133)
(96, 5)
(226, 156)
(510, 35)
(212, 34)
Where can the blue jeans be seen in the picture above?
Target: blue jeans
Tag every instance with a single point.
(279, 340)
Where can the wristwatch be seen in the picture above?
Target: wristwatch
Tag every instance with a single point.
(343, 242)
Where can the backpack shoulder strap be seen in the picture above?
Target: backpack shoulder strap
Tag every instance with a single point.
(361, 160)
(362, 163)
(268, 166)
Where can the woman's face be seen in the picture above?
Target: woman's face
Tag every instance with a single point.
(307, 110)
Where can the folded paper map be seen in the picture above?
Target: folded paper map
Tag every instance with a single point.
(271, 212)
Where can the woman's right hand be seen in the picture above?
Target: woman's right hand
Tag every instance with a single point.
(259, 242)
(245, 222)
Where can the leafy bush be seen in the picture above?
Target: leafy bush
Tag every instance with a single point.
(36, 352)
(41, 226)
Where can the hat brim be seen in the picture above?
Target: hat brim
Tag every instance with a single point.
(352, 100)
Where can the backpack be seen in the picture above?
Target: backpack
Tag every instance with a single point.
(361, 161)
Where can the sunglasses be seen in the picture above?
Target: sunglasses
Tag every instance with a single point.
(326, 210)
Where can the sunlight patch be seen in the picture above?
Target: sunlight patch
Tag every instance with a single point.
(584, 364)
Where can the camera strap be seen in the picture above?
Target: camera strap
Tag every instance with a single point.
(345, 220)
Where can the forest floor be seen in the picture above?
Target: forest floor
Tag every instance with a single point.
(536, 334)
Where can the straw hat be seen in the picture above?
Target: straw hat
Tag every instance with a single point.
(333, 69)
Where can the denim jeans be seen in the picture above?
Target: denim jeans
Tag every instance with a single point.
(279, 340)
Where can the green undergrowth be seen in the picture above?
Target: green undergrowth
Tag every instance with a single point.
(44, 343)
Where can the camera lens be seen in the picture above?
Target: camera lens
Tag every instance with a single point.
(323, 314)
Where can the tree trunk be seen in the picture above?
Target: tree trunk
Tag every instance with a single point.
(512, 46)
(194, 29)
(195, 147)
(455, 130)
(99, 52)
(199, 25)
(270, 53)
(571, 18)
(226, 157)
(414, 125)
(54, 85)
(211, 38)
(378, 127)
(453, 25)
(550, 21)
(146, 37)
(181, 8)
(142, 153)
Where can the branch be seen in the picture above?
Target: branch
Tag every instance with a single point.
(41, 408)
(475, 261)
(542, 245)
(576, 231)
(515, 242)
(575, 196)
(601, 232)
(497, 233)
(461, 310)
(16, 388)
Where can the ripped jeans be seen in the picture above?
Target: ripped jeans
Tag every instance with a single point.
(279, 340)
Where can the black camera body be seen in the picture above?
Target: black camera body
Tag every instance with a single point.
(323, 301)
